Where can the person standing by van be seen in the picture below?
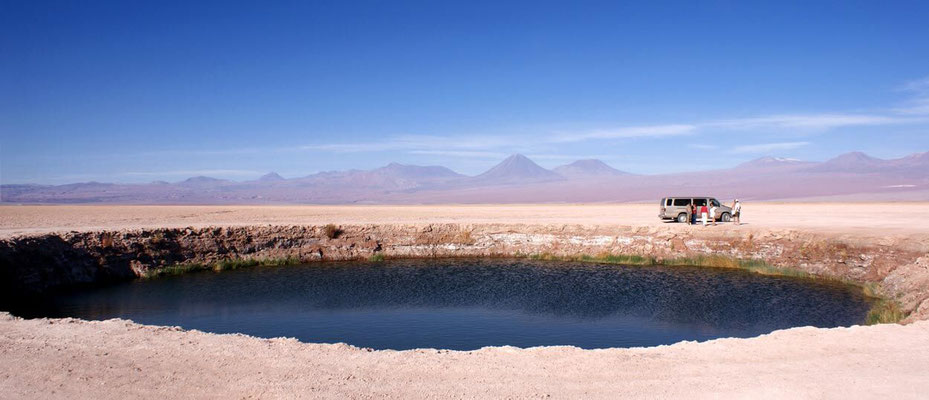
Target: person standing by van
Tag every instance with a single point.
(693, 213)
(703, 214)
(737, 212)
(713, 213)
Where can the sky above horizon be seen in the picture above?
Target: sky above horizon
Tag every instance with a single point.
(137, 92)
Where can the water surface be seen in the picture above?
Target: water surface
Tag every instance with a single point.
(468, 304)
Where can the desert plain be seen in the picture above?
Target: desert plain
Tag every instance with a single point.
(862, 219)
(69, 358)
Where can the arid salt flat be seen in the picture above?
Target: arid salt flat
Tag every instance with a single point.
(860, 219)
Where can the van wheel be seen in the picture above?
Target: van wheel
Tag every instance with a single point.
(682, 218)
(725, 217)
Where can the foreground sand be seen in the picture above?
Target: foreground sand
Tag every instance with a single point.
(118, 359)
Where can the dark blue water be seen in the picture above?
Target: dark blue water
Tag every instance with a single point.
(468, 304)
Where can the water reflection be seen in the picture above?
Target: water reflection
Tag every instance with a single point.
(467, 304)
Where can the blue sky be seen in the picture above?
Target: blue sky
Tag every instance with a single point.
(136, 91)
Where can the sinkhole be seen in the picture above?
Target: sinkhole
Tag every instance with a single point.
(466, 304)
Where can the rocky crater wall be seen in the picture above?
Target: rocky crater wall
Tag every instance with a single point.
(35, 264)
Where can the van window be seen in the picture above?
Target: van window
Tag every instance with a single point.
(667, 202)
(700, 202)
(714, 203)
(681, 202)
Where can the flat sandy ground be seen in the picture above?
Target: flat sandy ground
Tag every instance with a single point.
(865, 219)
(118, 359)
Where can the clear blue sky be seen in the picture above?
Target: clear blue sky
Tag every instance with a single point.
(131, 92)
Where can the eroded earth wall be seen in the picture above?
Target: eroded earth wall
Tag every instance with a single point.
(31, 265)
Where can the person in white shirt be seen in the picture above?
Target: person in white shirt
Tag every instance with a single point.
(737, 212)
(713, 213)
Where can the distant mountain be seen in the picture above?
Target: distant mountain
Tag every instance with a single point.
(362, 184)
(587, 169)
(914, 160)
(416, 172)
(516, 169)
(270, 177)
(772, 162)
(202, 181)
(912, 166)
(85, 185)
(518, 179)
(856, 162)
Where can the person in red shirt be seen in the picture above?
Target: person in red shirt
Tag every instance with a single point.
(703, 213)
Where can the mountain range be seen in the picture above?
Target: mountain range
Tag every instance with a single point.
(851, 176)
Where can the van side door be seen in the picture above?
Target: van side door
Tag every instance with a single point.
(681, 205)
(700, 202)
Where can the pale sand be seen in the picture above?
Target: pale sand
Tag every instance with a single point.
(864, 219)
(118, 359)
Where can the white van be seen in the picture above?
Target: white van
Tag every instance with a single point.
(678, 208)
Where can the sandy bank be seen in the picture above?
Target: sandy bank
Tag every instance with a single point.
(118, 359)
